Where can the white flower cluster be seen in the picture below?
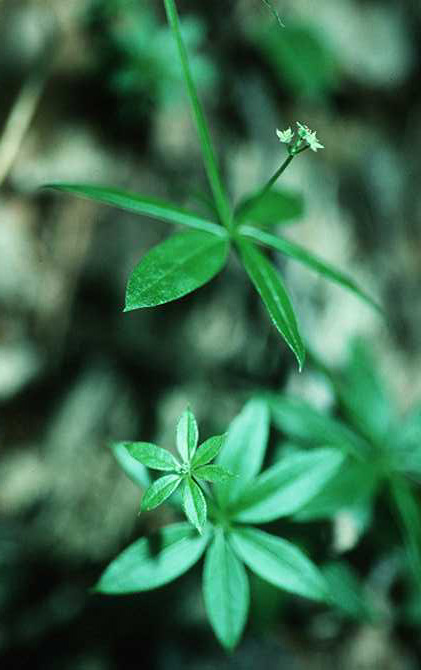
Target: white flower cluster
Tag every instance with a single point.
(304, 135)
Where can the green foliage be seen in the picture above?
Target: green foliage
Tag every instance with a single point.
(274, 207)
(183, 263)
(382, 452)
(250, 497)
(138, 58)
(279, 562)
(299, 57)
(151, 562)
(226, 591)
(186, 471)
(271, 288)
(175, 268)
(347, 593)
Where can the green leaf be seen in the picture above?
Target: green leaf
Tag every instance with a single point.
(270, 286)
(347, 592)
(244, 449)
(208, 450)
(406, 444)
(152, 456)
(279, 562)
(139, 204)
(175, 268)
(301, 421)
(287, 486)
(152, 562)
(194, 504)
(408, 508)
(133, 469)
(300, 58)
(299, 254)
(226, 591)
(159, 491)
(352, 489)
(271, 208)
(212, 473)
(187, 435)
(362, 395)
(209, 159)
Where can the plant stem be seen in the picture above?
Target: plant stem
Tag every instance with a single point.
(242, 213)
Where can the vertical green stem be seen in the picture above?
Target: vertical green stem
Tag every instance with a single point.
(209, 159)
(252, 202)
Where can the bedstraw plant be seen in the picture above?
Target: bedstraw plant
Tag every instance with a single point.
(186, 261)
(241, 496)
(222, 500)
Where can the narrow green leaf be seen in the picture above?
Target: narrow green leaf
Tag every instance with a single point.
(269, 284)
(244, 449)
(279, 562)
(353, 489)
(207, 451)
(151, 562)
(299, 254)
(406, 445)
(347, 592)
(133, 469)
(139, 204)
(152, 456)
(226, 591)
(408, 508)
(187, 435)
(213, 473)
(301, 421)
(174, 268)
(159, 491)
(363, 396)
(194, 504)
(287, 486)
(271, 208)
(209, 159)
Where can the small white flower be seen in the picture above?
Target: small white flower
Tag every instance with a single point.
(303, 130)
(309, 136)
(285, 136)
(313, 142)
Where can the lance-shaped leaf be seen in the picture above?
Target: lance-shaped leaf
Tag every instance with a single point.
(271, 208)
(159, 491)
(348, 593)
(152, 456)
(207, 451)
(301, 421)
(194, 504)
(406, 445)
(187, 435)
(270, 286)
(244, 449)
(299, 254)
(408, 508)
(353, 489)
(209, 159)
(287, 486)
(133, 469)
(139, 204)
(152, 562)
(363, 396)
(175, 268)
(213, 473)
(279, 562)
(226, 591)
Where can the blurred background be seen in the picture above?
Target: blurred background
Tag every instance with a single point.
(92, 91)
